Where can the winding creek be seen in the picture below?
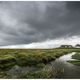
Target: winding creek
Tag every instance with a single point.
(69, 71)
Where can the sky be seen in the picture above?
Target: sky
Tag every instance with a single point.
(39, 24)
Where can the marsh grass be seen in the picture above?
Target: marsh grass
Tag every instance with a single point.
(76, 58)
(31, 57)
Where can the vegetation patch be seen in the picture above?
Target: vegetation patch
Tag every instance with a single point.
(38, 58)
(76, 58)
(6, 62)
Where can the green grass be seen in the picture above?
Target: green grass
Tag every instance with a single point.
(77, 59)
(75, 62)
(76, 56)
(48, 73)
(31, 57)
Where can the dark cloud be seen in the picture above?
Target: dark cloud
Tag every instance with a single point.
(26, 22)
(73, 5)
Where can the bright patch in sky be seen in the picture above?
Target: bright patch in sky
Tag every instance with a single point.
(48, 43)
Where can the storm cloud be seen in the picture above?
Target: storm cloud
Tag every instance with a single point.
(24, 22)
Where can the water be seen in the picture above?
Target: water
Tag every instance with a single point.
(17, 71)
(69, 70)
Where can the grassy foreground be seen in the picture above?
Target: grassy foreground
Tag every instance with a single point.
(31, 57)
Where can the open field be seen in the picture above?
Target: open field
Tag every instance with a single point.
(31, 58)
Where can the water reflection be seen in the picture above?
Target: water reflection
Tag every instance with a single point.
(65, 69)
(70, 70)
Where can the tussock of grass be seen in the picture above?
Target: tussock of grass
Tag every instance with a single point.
(41, 74)
(77, 59)
(6, 61)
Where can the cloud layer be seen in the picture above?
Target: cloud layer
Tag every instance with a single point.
(48, 43)
(31, 22)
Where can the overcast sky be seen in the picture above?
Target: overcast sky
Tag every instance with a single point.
(30, 22)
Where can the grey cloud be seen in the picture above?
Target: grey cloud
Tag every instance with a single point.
(34, 21)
